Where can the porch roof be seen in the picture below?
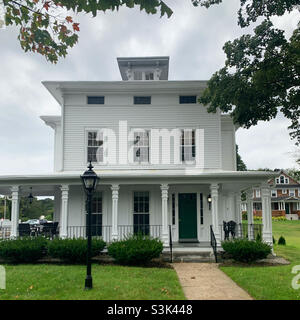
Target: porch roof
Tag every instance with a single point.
(47, 182)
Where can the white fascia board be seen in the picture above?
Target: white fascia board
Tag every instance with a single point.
(59, 88)
(147, 174)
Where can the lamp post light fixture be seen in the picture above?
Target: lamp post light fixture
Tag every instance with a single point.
(89, 181)
(30, 197)
(209, 201)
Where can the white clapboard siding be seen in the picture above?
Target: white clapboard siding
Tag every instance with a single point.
(118, 111)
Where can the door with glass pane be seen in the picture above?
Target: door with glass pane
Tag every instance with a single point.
(141, 212)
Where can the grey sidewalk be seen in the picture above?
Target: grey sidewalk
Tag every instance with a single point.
(205, 281)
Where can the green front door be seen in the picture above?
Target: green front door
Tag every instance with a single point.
(187, 205)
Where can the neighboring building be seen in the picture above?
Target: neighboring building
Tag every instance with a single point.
(164, 162)
(285, 197)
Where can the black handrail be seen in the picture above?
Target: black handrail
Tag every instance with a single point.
(171, 243)
(213, 243)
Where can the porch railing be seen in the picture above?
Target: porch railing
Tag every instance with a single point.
(5, 232)
(153, 231)
(105, 231)
(213, 243)
(98, 231)
(242, 230)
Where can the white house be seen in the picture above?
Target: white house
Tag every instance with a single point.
(161, 158)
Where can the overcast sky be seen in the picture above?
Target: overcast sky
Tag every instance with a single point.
(192, 37)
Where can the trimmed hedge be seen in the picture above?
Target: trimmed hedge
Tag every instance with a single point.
(244, 250)
(281, 241)
(23, 249)
(74, 250)
(135, 250)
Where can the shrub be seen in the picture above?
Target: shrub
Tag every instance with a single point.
(281, 241)
(274, 240)
(135, 250)
(74, 250)
(258, 237)
(244, 250)
(23, 249)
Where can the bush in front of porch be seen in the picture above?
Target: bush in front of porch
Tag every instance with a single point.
(23, 250)
(244, 250)
(73, 250)
(135, 250)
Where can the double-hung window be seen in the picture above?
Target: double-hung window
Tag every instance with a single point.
(274, 193)
(96, 225)
(292, 192)
(188, 145)
(141, 212)
(95, 146)
(141, 146)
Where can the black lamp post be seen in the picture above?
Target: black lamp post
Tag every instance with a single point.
(209, 201)
(89, 181)
(30, 197)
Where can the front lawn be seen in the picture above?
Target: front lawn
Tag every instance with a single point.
(266, 283)
(62, 282)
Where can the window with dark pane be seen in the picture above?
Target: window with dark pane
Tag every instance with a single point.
(141, 212)
(95, 146)
(96, 226)
(187, 99)
(173, 209)
(95, 99)
(141, 147)
(188, 145)
(142, 100)
(201, 208)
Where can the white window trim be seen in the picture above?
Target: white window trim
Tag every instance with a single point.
(257, 193)
(284, 191)
(131, 135)
(293, 190)
(87, 130)
(274, 196)
(192, 162)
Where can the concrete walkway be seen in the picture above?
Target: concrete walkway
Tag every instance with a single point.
(205, 281)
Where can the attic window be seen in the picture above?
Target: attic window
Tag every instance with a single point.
(142, 100)
(187, 99)
(95, 99)
(149, 76)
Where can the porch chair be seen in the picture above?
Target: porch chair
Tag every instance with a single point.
(50, 229)
(229, 228)
(25, 230)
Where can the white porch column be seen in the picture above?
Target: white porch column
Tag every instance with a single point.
(15, 201)
(115, 198)
(64, 211)
(214, 187)
(266, 214)
(164, 211)
(238, 213)
(250, 214)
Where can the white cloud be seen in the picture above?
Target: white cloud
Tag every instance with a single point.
(193, 37)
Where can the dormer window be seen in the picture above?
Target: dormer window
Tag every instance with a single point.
(138, 75)
(149, 76)
(282, 180)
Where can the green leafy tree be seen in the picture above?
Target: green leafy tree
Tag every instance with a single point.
(240, 164)
(47, 26)
(294, 173)
(261, 75)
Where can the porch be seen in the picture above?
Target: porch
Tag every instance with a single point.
(177, 207)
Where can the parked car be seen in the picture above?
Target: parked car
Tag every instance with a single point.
(33, 221)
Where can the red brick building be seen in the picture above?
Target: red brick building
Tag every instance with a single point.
(285, 197)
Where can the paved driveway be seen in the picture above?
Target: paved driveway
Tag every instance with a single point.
(205, 281)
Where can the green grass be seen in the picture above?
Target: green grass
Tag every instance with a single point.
(266, 283)
(64, 282)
